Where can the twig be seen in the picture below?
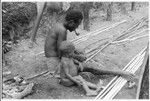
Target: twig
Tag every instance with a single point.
(37, 75)
(116, 42)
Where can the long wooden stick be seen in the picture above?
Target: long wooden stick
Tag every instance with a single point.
(131, 29)
(94, 34)
(98, 31)
(121, 82)
(117, 82)
(118, 79)
(107, 87)
(128, 38)
(118, 86)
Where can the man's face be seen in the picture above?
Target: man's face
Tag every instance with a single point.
(72, 25)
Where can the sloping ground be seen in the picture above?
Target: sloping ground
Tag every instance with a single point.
(23, 61)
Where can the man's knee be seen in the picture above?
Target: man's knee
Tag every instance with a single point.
(66, 82)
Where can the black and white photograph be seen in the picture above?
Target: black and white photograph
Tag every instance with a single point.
(108, 50)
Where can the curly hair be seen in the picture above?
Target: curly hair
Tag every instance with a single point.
(66, 47)
(74, 15)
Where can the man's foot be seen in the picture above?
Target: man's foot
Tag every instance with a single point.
(129, 76)
(91, 93)
(99, 86)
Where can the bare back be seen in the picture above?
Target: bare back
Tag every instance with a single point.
(53, 39)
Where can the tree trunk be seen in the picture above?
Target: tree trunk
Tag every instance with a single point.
(40, 9)
(133, 6)
(109, 12)
(86, 9)
(123, 8)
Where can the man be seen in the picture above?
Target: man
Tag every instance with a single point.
(58, 34)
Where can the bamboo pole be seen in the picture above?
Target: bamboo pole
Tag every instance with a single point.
(118, 79)
(122, 84)
(108, 87)
(121, 81)
(85, 37)
(127, 39)
(103, 91)
(117, 85)
(98, 31)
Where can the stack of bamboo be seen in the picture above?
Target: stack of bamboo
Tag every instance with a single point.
(115, 85)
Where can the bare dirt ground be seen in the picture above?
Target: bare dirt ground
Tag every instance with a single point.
(24, 62)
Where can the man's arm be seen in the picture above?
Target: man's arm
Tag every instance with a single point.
(61, 37)
(79, 57)
(80, 67)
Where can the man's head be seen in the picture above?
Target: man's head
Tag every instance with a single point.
(73, 19)
(66, 48)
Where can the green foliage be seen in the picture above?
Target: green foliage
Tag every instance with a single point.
(16, 15)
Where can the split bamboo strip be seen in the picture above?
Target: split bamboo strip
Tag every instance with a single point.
(121, 84)
(139, 33)
(131, 29)
(114, 41)
(94, 34)
(122, 34)
(107, 87)
(96, 42)
(110, 87)
(117, 85)
(97, 52)
(128, 68)
(97, 31)
(121, 81)
(128, 38)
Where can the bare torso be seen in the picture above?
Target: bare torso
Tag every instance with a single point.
(72, 68)
(57, 34)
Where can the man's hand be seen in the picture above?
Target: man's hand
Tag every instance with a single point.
(81, 67)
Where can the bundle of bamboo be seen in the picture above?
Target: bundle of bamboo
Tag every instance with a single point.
(117, 83)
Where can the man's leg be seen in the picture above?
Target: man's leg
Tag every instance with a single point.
(93, 68)
(66, 82)
(85, 86)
